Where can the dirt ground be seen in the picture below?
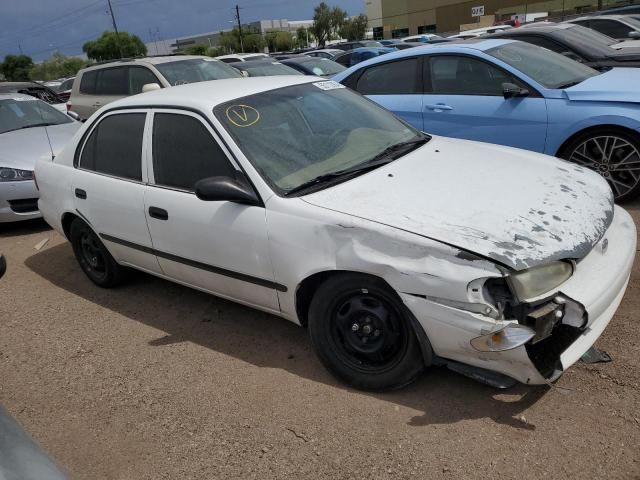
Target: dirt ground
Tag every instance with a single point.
(154, 380)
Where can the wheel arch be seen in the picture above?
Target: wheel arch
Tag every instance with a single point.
(308, 286)
(593, 128)
(66, 221)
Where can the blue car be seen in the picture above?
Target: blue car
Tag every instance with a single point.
(357, 55)
(516, 94)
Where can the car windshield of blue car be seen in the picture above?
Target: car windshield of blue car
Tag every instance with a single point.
(296, 134)
(548, 68)
(19, 113)
(196, 70)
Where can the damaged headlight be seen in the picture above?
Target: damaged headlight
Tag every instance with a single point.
(535, 281)
(14, 175)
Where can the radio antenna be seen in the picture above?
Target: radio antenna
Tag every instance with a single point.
(45, 124)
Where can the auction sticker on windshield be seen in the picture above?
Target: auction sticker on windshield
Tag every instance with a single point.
(329, 85)
(242, 115)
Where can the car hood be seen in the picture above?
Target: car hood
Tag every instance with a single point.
(23, 148)
(518, 208)
(616, 85)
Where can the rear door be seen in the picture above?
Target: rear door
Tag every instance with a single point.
(464, 99)
(396, 85)
(109, 184)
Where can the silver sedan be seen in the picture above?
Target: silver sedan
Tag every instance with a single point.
(29, 129)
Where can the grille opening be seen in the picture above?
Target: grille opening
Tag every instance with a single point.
(24, 205)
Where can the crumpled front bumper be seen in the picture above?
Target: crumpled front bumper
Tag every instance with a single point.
(598, 284)
(18, 201)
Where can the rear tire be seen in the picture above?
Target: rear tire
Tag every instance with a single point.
(362, 333)
(94, 258)
(612, 152)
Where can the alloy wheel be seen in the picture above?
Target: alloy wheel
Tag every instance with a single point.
(613, 157)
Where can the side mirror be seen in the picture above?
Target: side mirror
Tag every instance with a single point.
(244, 73)
(73, 115)
(511, 90)
(150, 87)
(634, 34)
(220, 189)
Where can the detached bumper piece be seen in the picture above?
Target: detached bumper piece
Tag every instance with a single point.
(557, 323)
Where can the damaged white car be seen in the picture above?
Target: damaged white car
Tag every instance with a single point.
(398, 250)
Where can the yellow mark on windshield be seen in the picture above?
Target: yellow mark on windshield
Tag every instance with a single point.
(242, 115)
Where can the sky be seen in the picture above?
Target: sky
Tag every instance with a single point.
(40, 27)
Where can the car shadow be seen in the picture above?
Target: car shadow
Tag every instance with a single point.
(25, 227)
(266, 341)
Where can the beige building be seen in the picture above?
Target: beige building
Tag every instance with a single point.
(399, 18)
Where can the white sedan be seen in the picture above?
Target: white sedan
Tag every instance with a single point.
(398, 250)
(29, 129)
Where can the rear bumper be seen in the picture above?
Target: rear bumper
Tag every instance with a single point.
(18, 201)
(598, 285)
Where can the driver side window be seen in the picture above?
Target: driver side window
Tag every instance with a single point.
(460, 75)
(184, 152)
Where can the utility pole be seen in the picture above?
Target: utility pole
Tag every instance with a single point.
(115, 27)
(239, 27)
(20, 48)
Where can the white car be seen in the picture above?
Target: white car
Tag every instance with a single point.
(241, 57)
(423, 37)
(29, 129)
(397, 250)
(479, 32)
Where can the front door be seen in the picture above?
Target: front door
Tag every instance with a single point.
(220, 247)
(108, 188)
(464, 99)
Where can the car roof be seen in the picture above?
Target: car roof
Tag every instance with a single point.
(11, 96)
(598, 16)
(11, 86)
(265, 61)
(143, 60)
(206, 95)
(543, 27)
(241, 55)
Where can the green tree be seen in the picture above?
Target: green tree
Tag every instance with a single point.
(279, 41)
(253, 42)
(327, 22)
(16, 68)
(303, 37)
(229, 41)
(354, 28)
(197, 49)
(57, 66)
(110, 46)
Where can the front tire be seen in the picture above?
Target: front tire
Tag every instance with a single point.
(362, 333)
(94, 258)
(613, 153)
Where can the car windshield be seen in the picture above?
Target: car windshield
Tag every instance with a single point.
(264, 69)
(587, 36)
(299, 133)
(548, 68)
(18, 113)
(196, 70)
(323, 66)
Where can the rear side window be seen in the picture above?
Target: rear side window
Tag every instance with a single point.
(393, 78)
(88, 83)
(112, 81)
(184, 152)
(115, 146)
(541, 42)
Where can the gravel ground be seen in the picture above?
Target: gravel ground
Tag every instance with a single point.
(154, 380)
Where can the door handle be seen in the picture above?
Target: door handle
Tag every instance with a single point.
(159, 213)
(81, 194)
(439, 107)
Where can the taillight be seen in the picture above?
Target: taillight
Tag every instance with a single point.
(35, 180)
(68, 106)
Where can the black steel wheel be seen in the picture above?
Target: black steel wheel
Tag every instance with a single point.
(614, 154)
(362, 333)
(93, 257)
